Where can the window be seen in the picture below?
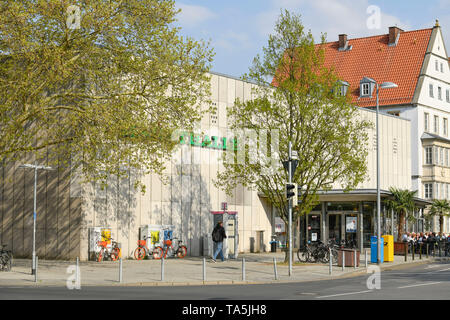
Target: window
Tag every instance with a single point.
(446, 157)
(429, 155)
(436, 155)
(442, 67)
(436, 194)
(446, 191)
(365, 89)
(436, 124)
(441, 156)
(439, 93)
(427, 122)
(445, 127)
(436, 65)
(447, 95)
(431, 91)
(428, 190)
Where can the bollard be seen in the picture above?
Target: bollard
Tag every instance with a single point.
(420, 251)
(77, 272)
(331, 262)
(243, 269)
(204, 269)
(413, 249)
(427, 250)
(35, 269)
(275, 268)
(162, 268)
(366, 258)
(120, 270)
(343, 260)
(439, 249)
(406, 251)
(354, 259)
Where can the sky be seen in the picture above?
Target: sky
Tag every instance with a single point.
(238, 30)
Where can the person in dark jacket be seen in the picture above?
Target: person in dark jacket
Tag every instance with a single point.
(218, 235)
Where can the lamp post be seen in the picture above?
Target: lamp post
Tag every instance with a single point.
(36, 168)
(384, 85)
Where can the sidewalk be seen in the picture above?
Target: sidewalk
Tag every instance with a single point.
(259, 269)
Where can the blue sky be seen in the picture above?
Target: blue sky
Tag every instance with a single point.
(239, 29)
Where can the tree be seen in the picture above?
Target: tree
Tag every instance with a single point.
(107, 82)
(440, 208)
(295, 95)
(402, 203)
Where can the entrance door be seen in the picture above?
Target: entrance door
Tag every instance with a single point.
(313, 227)
(351, 228)
(231, 232)
(334, 227)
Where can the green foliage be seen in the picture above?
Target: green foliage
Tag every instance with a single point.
(402, 202)
(440, 208)
(295, 94)
(89, 92)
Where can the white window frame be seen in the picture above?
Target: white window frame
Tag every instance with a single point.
(447, 95)
(436, 124)
(445, 126)
(428, 155)
(428, 190)
(436, 155)
(426, 122)
(446, 156)
(431, 90)
(441, 156)
(365, 89)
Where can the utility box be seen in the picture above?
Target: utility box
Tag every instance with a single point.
(374, 249)
(388, 248)
(207, 245)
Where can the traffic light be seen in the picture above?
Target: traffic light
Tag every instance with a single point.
(291, 192)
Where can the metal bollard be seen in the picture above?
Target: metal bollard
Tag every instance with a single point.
(366, 258)
(343, 260)
(406, 251)
(354, 259)
(77, 272)
(420, 251)
(275, 268)
(204, 269)
(120, 270)
(439, 249)
(413, 247)
(331, 262)
(243, 269)
(162, 269)
(35, 269)
(427, 250)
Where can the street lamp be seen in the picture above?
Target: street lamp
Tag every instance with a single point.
(36, 168)
(384, 85)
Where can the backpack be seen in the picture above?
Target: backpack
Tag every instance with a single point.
(216, 235)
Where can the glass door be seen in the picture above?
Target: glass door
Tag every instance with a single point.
(334, 227)
(313, 228)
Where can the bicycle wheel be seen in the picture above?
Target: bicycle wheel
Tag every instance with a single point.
(115, 254)
(139, 253)
(99, 256)
(182, 252)
(157, 253)
(324, 256)
(334, 253)
(303, 255)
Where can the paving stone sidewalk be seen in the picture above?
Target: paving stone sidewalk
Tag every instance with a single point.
(259, 268)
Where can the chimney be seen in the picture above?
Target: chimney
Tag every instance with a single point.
(342, 41)
(394, 33)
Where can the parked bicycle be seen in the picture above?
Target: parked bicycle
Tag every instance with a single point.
(142, 250)
(180, 251)
(318, 252)
(6, 258)
(105, 254)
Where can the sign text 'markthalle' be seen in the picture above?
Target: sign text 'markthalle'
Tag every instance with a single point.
(205, 141)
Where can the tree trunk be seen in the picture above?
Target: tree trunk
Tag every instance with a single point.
(441, 224)
(401, 225)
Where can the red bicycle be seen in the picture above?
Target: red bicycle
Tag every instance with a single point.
(179, 252)
(142, 250)
(105, 254)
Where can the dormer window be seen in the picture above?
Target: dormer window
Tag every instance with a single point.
(366, 87)
(342, 87)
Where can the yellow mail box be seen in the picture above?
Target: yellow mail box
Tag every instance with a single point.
(388, 248)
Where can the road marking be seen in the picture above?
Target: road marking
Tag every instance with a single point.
(418, 285)
(343, 294)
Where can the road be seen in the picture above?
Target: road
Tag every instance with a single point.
(427, 281)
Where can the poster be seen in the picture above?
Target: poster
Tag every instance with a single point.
(351, 224)
(279, 225)
(314, 236)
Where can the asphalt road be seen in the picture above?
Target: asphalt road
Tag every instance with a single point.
(427, 281)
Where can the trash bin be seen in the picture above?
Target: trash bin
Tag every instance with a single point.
(388, 248)
(374, 250)
(349, 257)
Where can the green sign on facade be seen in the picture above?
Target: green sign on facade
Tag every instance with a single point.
(205, 141)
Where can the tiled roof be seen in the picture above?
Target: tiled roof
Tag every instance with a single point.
(372, 57)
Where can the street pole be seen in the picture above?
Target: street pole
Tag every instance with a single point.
(33, 267)
(290, 210)
(378, 187)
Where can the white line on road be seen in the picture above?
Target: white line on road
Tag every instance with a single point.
(343, 294)
(418, 285)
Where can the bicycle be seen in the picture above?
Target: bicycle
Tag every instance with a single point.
(314, 253)
(142, 250)
(6, 258)
(180, 251)
(105, 254)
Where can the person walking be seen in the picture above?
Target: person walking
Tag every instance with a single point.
(218, 235)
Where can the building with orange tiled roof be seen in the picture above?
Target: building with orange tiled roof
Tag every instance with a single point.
(417, 61)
